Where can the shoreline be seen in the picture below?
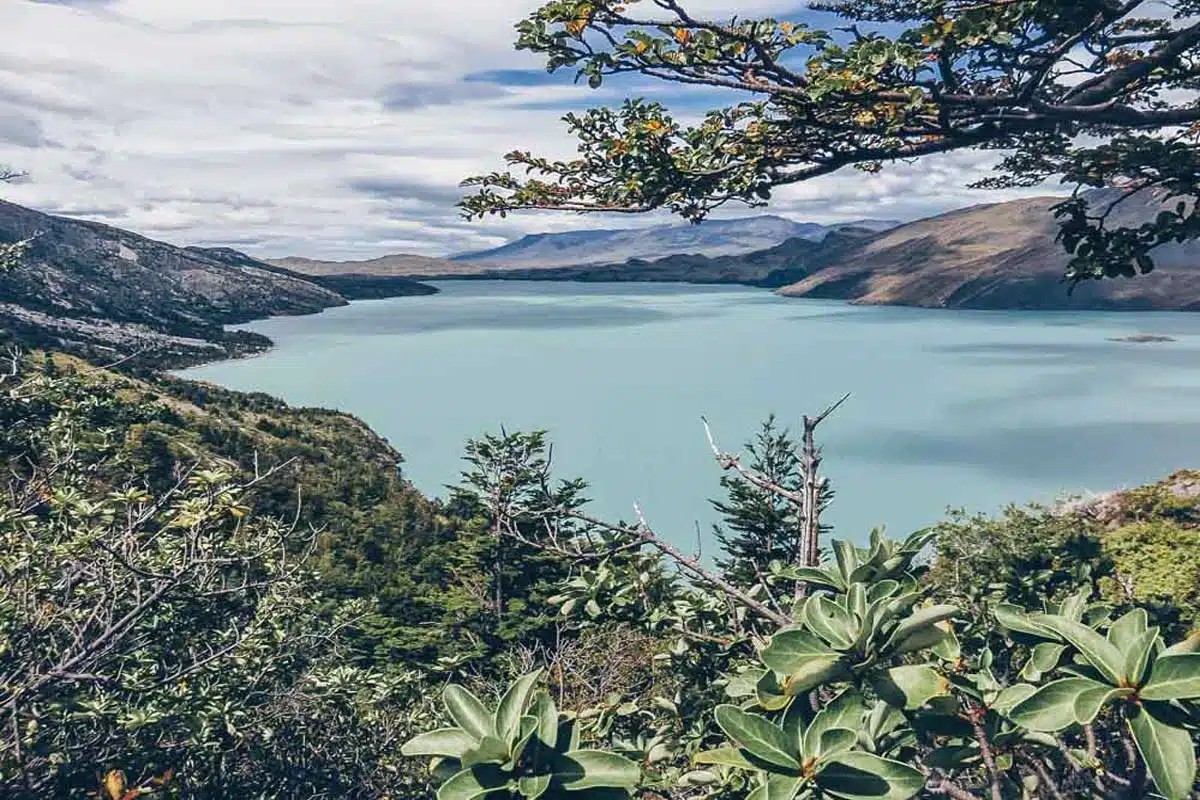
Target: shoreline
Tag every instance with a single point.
(1131, 338)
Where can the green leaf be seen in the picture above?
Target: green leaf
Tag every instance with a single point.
(922, 618)
(533, 786)
(1100, 653)
(1089, 703)
(781, 787)
(448, 742)
(466, 710)
(911, 686)
(1016, 620)
(547, 716)
(1137, 656)
(844, 711)
(489, 750)
(1169, 753)
(830, 621)
(770, 694)
(1044, 657)
(1191, 644)
(1174, 677)
(512, 706)
(812, 673)
(1052, 707)
(1128, 629)
(726, 756)
(473, 782)
(788, 650)
(834, 742)
(757, 735)
(585, 769)
(1010, 696)
(819, 577)
(862, 776)
(847, 558)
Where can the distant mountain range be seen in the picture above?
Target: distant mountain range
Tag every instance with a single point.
(1002, 255)
(103, 292)
(712, 238)
(995, 256)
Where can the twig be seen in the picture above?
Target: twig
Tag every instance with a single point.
(692, 565)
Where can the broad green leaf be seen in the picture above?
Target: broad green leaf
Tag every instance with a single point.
(910, 686)
(834, 742)
(534, 786)
(1009, 697)
(448, 742)
(847, 558)
(812, 673)
(881, 590)
(473, 782)
(466, 710)
(528, 727)
(947, 647)
(489, 750)
(1126, 630)
(856, 600)
(844, 711)
(820, 577)
(727, 756)
(1100, 652)
(760, 737)
(789, 649)
(584, 769)
(830, 621)
(919, 619)
(1045, 657)
(512, 706)
(1174, 677)
(770, 694)
(862, 776)
(1191, 644)
(1015, 619)
(1169, 753)
(781, 787)
(1052, 707)
(928, 638)
(1088, 703)
(1137, 656)
(547, 717)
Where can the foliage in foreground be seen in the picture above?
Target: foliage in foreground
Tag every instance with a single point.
(1098, 93)
(881, 681)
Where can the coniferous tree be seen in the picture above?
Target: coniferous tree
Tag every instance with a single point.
(759, 526)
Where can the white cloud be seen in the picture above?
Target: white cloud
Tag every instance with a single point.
(329, 128)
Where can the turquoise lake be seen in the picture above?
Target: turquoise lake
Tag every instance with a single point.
(949, 408)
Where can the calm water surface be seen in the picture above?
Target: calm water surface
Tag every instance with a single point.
(949, 408)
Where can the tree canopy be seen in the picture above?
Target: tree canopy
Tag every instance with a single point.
(1098, 93)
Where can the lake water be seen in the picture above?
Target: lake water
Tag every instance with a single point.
(949, 408)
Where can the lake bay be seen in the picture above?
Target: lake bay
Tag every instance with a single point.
(948, 408)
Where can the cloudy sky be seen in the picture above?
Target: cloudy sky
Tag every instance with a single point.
(331, 128)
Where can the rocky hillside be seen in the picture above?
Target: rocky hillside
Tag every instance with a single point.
(713, 238)
(997, 256)
(101, 291)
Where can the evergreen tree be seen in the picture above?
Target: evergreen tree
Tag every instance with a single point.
(760, 526)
